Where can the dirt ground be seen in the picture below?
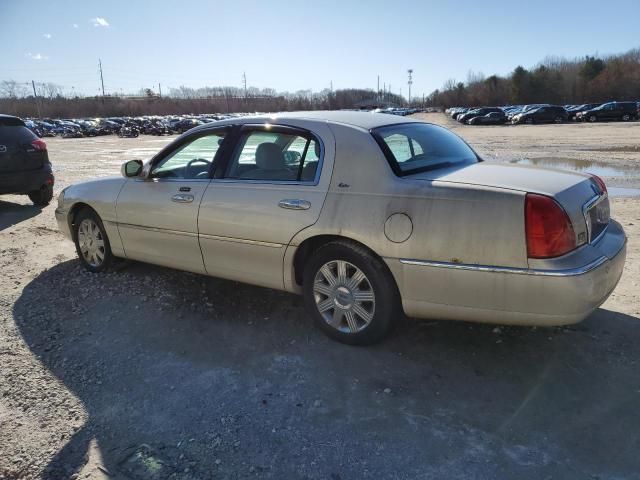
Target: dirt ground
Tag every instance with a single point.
(150, 373)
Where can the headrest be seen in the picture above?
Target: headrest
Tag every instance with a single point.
(269, 156)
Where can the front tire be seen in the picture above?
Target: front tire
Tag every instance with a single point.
(593, 118)
(92, 243)
(43, 196)
(351, 294)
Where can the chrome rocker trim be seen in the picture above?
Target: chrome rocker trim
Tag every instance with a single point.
(572, 272)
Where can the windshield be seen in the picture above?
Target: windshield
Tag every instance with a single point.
(417, 147)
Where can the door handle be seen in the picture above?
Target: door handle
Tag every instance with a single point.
(182, 198)
(294, 204)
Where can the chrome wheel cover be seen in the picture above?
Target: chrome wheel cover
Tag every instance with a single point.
(344, 296)
(91, 242)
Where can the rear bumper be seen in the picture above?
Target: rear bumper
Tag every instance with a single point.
(25, 182)
(534, 296)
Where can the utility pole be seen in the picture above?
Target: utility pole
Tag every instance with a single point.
(378, 90)
(159, 89)
(331, 85)
(410, 82)
(35, 95)
(244, 83)
(384, 91)
(101, 78)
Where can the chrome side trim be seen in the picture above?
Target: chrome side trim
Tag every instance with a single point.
(572, 272)
(158, 230)
(202, 235)
(241, 240)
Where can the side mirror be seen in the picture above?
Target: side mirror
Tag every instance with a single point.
(132, 168)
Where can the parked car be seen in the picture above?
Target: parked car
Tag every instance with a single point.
(571, 113)
(546, 114)
(611, 111)
(128, 132)
(24, 162)
(366, 215)
(493, 118)
(477, 112)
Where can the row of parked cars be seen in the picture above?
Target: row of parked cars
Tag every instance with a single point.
(546, 113)
(121, 126)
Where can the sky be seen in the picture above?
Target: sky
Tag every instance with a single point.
(298, 45)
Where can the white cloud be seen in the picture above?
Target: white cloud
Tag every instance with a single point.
(36, 56)
(47, 36)
(75, 25)
(99, 22)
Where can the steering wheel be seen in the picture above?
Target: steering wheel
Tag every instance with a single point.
(187, 169)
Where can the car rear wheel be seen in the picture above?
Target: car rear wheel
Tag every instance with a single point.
(43, 196)
(351, 294)
(92, 243)
(558, 120)
(529, 121)
(626, 117)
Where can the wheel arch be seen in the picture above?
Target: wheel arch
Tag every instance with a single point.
(308, 246)
(73, 213)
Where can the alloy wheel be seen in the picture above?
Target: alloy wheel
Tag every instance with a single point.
(91, 242)
(344, 296)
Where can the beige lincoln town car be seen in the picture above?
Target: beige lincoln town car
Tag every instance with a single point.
(368, 216)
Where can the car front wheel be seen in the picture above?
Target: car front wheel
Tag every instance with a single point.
(92, 243)
(626, 118)
(592, 118)
(350, 293)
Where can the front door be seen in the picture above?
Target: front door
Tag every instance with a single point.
(273, 186)
(158, 215)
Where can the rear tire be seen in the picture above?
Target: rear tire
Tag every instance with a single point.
(351, 294)
(43, 196)
(626, 118)
(92, 243)
(529, 121)
(558, 120)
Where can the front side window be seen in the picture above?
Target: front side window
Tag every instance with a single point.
(190, 161)
(275, 156)
(417, 147)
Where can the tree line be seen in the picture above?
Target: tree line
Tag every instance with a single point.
(15, 99)
(554, 80)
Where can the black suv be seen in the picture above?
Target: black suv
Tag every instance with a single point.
(24, 162)
(545, 114)
(624, 111)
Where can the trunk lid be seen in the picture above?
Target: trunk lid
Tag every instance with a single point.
(576, 192)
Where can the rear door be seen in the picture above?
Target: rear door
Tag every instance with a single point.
(273, 185)
(17, 152)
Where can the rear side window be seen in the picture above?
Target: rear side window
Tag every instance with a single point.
(417, 147)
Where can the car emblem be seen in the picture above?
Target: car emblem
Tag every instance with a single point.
(3, 148)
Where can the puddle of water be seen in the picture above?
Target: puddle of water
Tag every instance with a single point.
(598, 168)
(623, 192)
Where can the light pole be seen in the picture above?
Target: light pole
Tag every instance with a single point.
(410, 82)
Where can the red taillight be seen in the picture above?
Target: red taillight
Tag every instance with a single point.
(39, 144)
(548, 228)
(600, 183)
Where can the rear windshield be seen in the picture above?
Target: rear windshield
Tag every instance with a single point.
(10, 122)
(417, 147)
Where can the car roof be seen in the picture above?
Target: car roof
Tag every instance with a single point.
(10, 120)
(365, 120)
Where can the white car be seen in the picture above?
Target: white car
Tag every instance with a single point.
(368, 215)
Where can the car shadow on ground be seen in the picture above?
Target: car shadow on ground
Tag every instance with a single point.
(13, 213)
(184, 376)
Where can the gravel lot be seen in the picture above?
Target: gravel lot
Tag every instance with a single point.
(150, 373)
